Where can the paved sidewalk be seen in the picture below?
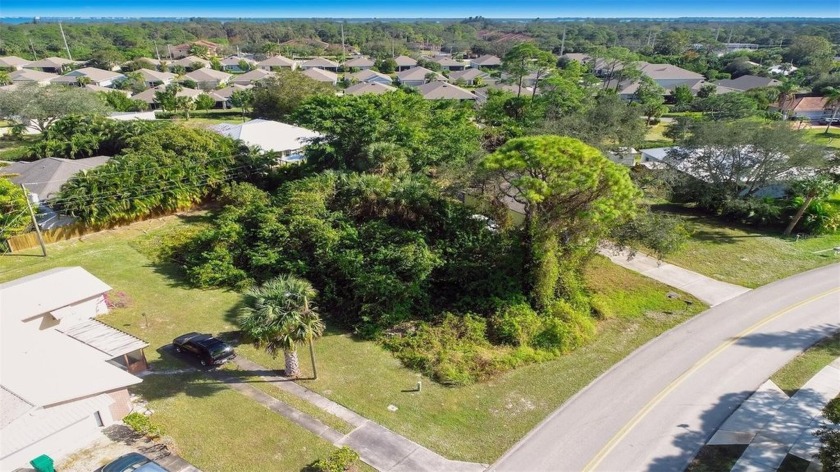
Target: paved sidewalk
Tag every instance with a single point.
(376, 445)
(774, 425)
(707, 289)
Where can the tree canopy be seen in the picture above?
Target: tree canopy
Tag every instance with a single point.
(40, 106)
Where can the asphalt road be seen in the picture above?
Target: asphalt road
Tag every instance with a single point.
(655, 409)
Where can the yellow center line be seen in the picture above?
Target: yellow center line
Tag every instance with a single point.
(619, 436)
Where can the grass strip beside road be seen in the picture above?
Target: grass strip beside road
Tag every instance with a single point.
(797, 372)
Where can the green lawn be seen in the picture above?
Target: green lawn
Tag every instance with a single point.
(749, 257)
(475, 423)
(818, 136)
(218, 429)
(797, 372)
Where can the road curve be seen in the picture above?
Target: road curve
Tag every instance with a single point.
(656, 408)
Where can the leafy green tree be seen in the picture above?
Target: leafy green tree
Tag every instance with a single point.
(572, 196)
(185, 105)
(166, 98)
(106, 58)
(682, 96)
(787, 92)
(280, 316)
(728, 106)
(204, 102)
(806, 49)
(386, 66)
(5, 79)
(651, 99)
(39, 107)
(829, 436)
(707, 91)
(810, 189)
(278, 97)
(121, 102)
(199, 51)
(245, 65)
(525, 59)
(14, 214)
(215, 63)
(660, 233)
(243, 99)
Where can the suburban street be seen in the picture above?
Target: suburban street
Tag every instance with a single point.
(655, 409)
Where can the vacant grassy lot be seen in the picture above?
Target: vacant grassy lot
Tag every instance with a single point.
(746, 256)
(475, 423)
(818, 135)
(797, 372)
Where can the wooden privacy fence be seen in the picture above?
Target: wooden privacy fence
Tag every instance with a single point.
(25, 241)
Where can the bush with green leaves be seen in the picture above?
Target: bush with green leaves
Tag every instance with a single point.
(829, 436)
(340, 460)
(143, 425)
(78, 137)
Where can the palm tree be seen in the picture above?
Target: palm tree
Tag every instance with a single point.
(832, 95)
(786, 92)
(280, 317)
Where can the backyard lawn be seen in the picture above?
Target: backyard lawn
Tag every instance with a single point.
(746, 256)
(475, 423)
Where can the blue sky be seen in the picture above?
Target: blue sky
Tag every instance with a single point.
(425, 9)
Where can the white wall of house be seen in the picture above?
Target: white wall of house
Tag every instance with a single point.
(413, 83)
(59, 445)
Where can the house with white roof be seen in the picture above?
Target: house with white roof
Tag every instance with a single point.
(63, 374)
(153, 78)
(287, 140)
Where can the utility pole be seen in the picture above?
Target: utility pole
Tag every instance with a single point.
(729, 38)
(157, 53)
(717, 34)
(65, 41)
(34, 221)
(563, 42)
(343, 51)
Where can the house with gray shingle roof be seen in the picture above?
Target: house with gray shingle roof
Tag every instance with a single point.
(148, 95)
(448, 63)
(320, 63)
(55, 65)
(404, 63)
(251, 77)
(417, 76)
(153, 78)
(102, 78)
(371, 76)
(232, 63)
(321, 75)
(468, 76)
(364, 88)
(208, 78)
(277, 62)
(749, 82)
(487, 61)
(361, 62)
(444, 91)
(190, 61)
(11, 63)
(30, 75)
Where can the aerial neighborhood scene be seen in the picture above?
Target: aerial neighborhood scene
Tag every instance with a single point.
(435, 237)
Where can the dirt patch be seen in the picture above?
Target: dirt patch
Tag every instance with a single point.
(116, 441)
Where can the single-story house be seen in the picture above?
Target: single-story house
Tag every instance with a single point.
(99, 88)
(250, 77)
(208, 78)
(277, 62)
(190, 62)
(231, 63)
(361, 63)
(363, 88)
(102, 78)
(418, 76)
(222, 95)
(482, 93)
(153, 78)
(321, 75)
(11, 63)
(487, 61)
(271, 136)
(55, 65)
(148, 95)
(43, 179)
(320, 63)
(183, 50)
(404, 63)
(30, 75)
(468, 76)
(447, 63)
(668, 76)
(444, 91)
(64, 374)
(810, 108)
(371, 76)
(748, 82)
(146, 60)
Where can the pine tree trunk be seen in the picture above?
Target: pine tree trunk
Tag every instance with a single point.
(292, 364)
(798, 215)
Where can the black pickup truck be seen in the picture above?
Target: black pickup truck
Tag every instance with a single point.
(208, 350)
